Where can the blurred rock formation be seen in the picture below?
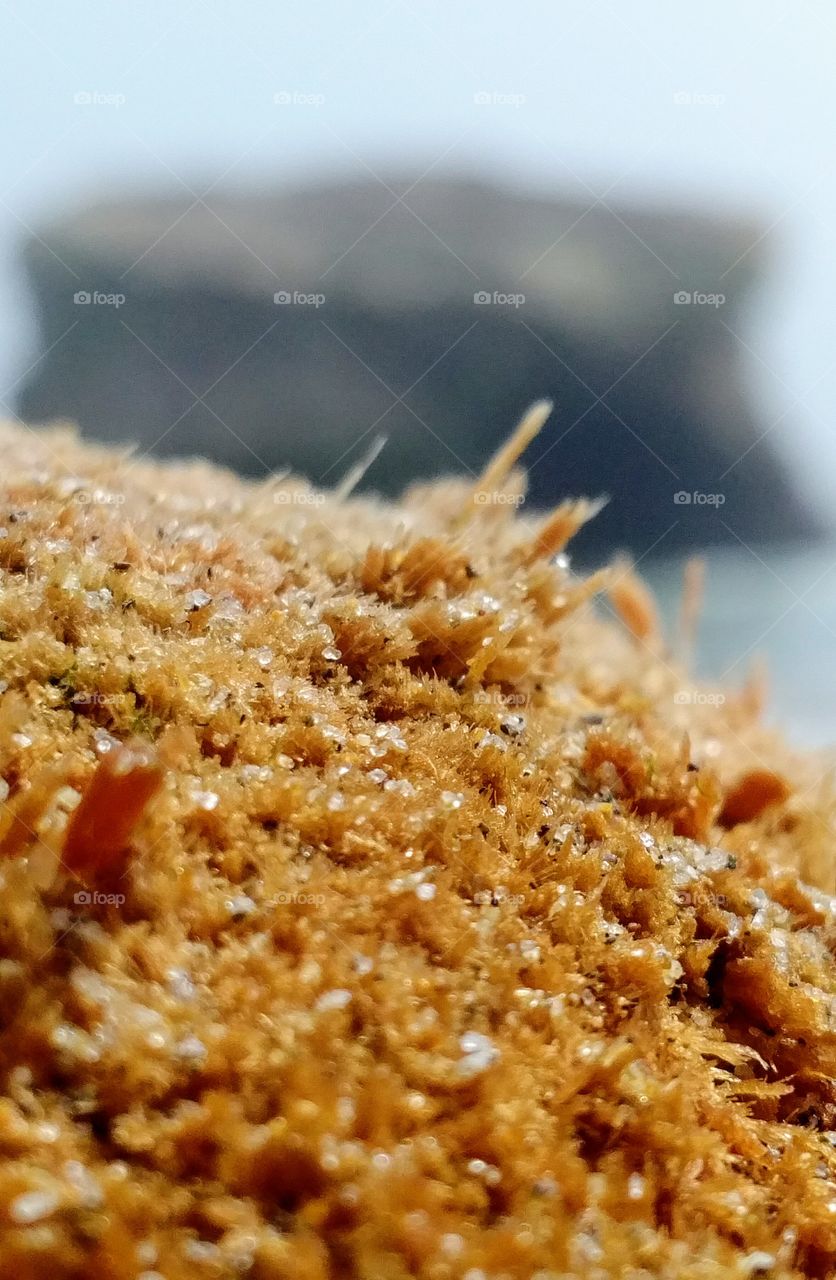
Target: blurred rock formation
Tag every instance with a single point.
(289, 329)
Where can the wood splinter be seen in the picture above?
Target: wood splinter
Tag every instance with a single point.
(125, 781)
(502, 463)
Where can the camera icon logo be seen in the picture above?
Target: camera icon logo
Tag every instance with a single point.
(681, 298)
(82, 298)
(482, 298)
(282, 298)
(82, 898)
(682, 498)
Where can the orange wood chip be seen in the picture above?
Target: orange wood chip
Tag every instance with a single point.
(751, 794)
(101, 828)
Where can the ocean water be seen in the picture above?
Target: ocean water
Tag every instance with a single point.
(779, 603)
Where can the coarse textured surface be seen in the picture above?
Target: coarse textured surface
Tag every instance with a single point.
(429, 923)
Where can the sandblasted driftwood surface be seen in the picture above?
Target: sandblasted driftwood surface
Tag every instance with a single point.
(371, 907)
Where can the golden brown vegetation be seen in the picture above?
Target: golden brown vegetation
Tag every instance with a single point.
(371, 907)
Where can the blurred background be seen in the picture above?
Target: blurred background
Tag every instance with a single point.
(271, 234)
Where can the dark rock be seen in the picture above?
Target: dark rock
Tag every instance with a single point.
(382, 334)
